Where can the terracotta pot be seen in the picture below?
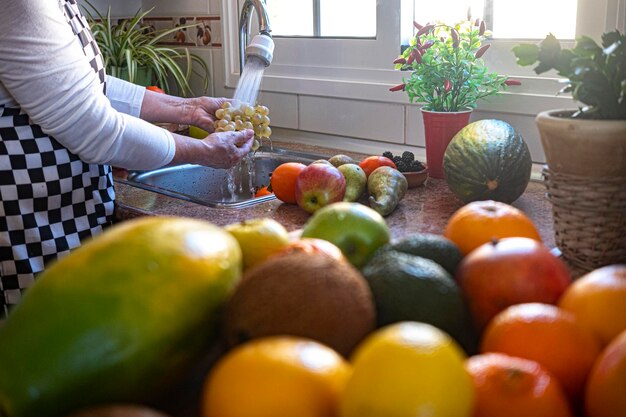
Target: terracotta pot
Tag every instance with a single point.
(586, 182)
(440, 128)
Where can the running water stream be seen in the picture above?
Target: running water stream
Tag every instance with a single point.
(246, 92)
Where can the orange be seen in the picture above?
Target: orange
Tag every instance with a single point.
(598, 300)
(480, 222)
(262, 191)
(548, 335)
(515, 387)
(283, 181)
(606, 388)
(276, 377)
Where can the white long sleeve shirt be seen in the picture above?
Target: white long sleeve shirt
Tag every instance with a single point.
(44, 71)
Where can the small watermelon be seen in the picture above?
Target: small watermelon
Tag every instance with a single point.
(487, 160)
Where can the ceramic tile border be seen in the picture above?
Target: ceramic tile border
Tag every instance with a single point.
(207, 32)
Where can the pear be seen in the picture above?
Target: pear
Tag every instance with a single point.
(356, 181)
(338, 160)
(321, 161)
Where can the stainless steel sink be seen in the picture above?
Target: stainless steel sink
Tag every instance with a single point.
(219, 187)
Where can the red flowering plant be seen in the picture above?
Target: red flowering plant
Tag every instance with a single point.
(448, 73)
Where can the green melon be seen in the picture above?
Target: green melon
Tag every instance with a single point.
(487, 160)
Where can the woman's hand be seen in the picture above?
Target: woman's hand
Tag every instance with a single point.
(217, 150)
(197, 111)
(203, 112)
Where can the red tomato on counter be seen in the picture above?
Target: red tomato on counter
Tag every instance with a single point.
(370, 163)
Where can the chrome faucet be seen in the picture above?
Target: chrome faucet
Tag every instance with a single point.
(261, 45)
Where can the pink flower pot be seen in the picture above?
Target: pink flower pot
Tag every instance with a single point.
(440, 128)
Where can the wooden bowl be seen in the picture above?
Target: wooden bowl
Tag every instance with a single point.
(417, 178)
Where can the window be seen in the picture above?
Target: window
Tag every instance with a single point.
(323, 18)
(532, 19)
(356, 67)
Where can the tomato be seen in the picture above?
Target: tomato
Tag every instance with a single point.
(283, 181)
(262, 191)
(370, 163)
(155, 89)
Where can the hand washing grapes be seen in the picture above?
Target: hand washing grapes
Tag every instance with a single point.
(240, 116)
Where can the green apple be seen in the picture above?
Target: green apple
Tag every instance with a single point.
(356, 181)
(338, 160)
(259, 238)
(354, 228)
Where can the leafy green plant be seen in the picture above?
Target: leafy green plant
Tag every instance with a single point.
(596, 75)
(448, 73)
(129, 45)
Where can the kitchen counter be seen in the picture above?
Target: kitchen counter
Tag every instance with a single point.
(426, 208)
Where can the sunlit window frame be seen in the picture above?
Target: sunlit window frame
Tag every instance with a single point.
(361, 68)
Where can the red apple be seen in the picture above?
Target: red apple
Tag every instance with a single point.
(319, 185)
(510, 271)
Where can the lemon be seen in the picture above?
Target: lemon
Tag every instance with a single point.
(197, 133)
(276, 376)
(408, 369)
(258, 239)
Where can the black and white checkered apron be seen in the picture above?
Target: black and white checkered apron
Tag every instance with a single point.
(49, 199)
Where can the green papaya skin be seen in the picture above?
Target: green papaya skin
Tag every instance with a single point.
(117, 318)
(386, 186)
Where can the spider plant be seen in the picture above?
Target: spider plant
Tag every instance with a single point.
(129, 45)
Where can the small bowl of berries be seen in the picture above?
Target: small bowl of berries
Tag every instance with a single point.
(414, 171)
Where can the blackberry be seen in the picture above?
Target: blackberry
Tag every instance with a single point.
(402, 166)
(408, 157)
(396, 159)
(388, 154)
(416, 166)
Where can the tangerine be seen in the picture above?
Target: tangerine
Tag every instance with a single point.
(515, 387)
(480, 222)
(546, 334)
(606, 386)
(283, 181)
(276, 377)
(598, 300)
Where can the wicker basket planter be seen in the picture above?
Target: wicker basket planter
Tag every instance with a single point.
(585, 178)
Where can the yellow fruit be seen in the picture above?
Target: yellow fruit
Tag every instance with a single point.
(408, 369)
(197, 133)
(276, 377)
(258, 239)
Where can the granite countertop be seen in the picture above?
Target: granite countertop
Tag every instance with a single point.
(426, 208)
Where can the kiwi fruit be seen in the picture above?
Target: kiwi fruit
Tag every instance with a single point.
(302, 294)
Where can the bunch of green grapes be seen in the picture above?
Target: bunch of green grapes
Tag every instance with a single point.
(233, 117)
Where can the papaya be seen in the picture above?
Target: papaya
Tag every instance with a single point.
(118, 319)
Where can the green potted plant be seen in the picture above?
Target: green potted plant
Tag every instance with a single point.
(585, 148)
(449, 76)
(134, 51)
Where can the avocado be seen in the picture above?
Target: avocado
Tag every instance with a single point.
(412, 288)
(430, 246)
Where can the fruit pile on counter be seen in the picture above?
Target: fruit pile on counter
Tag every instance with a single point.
(337, 320)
